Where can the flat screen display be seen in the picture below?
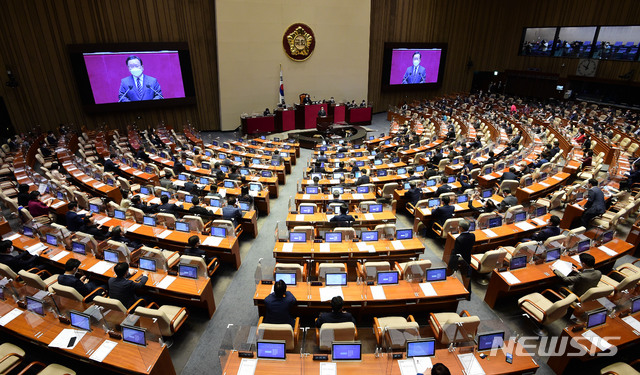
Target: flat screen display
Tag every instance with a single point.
(80, 320)
(289, 278)
(421, 348)
(111, 256)
(148, 264)
(495, 222)
(218, 232)
(311, 190)
(436, 274)
(134, 335)
(336, 279)
(52, 240)
(266, 174)
(307, 210)
(78, 248)
(488, 193)
(148, 220)
(187, 271)
(181, 226)
(271, 349)
(520, 216)
(596, 318)
(333, 237)
(607, 236)
(119, 214)
(462, 199)
(635, 305)
(35, 305)
(413, 64)
(489, 341)
(349, 351)
(584, 245)
(27, 231)
(404, 234)
(552, 255)
(387, 277)
(369, 236)
(435, 202)
(297, 237)
(374, 208)
(518, 262)
(362, 189)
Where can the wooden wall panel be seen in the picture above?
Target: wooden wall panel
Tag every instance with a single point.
(487, 33)
(33, 39)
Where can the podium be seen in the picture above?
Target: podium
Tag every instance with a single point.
(323, 123)
(359, 115)
(259, 124)
(338, 112)
(285, 120)
(306, 115)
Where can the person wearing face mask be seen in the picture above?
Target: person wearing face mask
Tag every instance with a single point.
(138, 86)
(416, 73)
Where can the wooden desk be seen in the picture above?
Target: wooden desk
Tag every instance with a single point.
(401, 299)
(287, 161)
(88, 183)
(359, 115)
(542, 188)
(182, 291)
(322, 220)
(535, 277)
(263, 147)
(423, 215)
(125, 358)
(322, 199)
(348, 251)
(258, 124)
(137, 175)
(294, 363)
(294, 145)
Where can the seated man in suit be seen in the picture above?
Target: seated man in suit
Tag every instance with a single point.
(511, 175)
(317, 167)
(442, 213)
(581, 281)
(109, 165)
(21, 261)
(195, 250)
(82, 284)
(322, 157)
(123, 289)
(231, 212)
(116, 235)
(509, 200)
(336, 199)
(364, 179)
(336, 315)
(550, 231)
(136, 202)
(278, 305)
(444, 188)
(343, 218)
(414, 193)
(341, 168)
(166, 207)
(81, 222)
(198, 210)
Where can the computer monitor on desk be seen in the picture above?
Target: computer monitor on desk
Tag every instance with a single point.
(552, 255)
(387, 277)
(148, 220)
(51, 239)
(307, 210)
(335, 279)
(421, 348)
(297, 237)
(272, 349)
(375, 208)
(495, 222)
(583, 245)
(431, 183)
(289, 278)
(635, 304)
(434, 202)
(518, 262)
(362, 189)
(404, 234)
(487, 193)
(462, 199)
(369, 236)
(346, 351)
(596, 318)
(491, 340)
(311, 190)
(333, 237)
(436, 274)
(119, 214)
(520, 216)
(78, 248)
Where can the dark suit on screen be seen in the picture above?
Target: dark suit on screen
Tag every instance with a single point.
(147, 92)
(419, 76)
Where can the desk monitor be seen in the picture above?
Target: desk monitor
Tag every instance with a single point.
(382, 173)
(375, 208)
(487, 193)
(205, 165)
(307, 210)
(190, 272)
(431, 183)
(541, 211)
(421, 348)
(189, 163)
(401, 171)
(346, 351)
(451, 179)
(78, 248)
(60, 195)
(119, 214)
(472, 225)
(495, 221)
(28, 231)
(528, 181)
(335, 279)
(455, 161)
(340, 155)
(333, 237)
(110, 182)
(579, 196)
(420, 168)
(165, 193)
(144, 190)
(395, 159)
(518, 262)
(323, 148)
(499, 166)
(462, 198)
(362, 189)
(596, 318)
(357, 174)
(182, 226)
(111, 256)
(387, 142)
(369, 236)
(244, 172)
(52, 240)
(511, 162)
(245, 206)
(311, 190)
(488, 170)
(372, 137)
(377, 162)
(272, 349)
(360, 163)
(339, 189)
(297, 236)
(134, 335)
(275, 162)
(552, 255)
(218, 232)
(80, 320)
(520, 216)
(607, 236)
(254, 187)
(635, 305)
(289, 278)
(387, 277)
(543, 176)
(35, 305)
(94, 208)
(224, 168)
(148, 264)
(407, 186)
(188, 198)
(266, 174)
(215, 202)
(148, 220)
(208, 153)
(434, 202)
(182, 177)
(1, 293)
(584, 245)
(491, 340)
(229, 184)
(404, 234)
(436, 274)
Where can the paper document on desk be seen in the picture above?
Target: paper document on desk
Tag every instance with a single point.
(562, 266)
(595, 339)
(101, 267)
(63, 338)
(166, 281)
(510, 278)
(155, 200)
(328, 292)
(632, 322)
(179, 183)
(377, 292)
(247, 366)
(254, 193)
(34, 249)
(103, 350)
(528, 190)
(368, 216)
(470, 364)
(137, 173)
(133, 228)
(58, 204)
(306, 196)
(212, 241)
(12, 237)
(539, 221)
(544, 184)
(59, 256)
(165, 234)
(222, 192)
(10, 316)
(98, 186)
(299, 218)
(608, 251)
(87, 179)
(457, 208)
(287, 247)
(325, 247)
(557, 178)
(357, 196)
(103, 220)
(489, 233)
(576, 258)
(428, 290)
(525, 226)
(397, 245)
(328, 368)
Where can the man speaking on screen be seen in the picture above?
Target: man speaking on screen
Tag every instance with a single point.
(416, 73)
(138, 86)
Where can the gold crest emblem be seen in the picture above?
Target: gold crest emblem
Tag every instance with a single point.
(298, 42)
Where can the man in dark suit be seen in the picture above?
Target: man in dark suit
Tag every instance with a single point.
(190, 186)
(444, 188)
(81, 222)
(442, 213)
(166, 207)
(109, 165)
(22, 261)
(123, 289)
(336, 315)
(343, 218)
(82, 284)
(178, 167)
(322, 157)
(364, 179)
(231, 212)
(550, 231)
(23, 195)
(595, 203)
(581, 281)
(198, 210)
(116, 235)
(414, 193)
(415, 73)
(462, 248)
(336, 199)
(278, 305)
(195, 250)
(138, 86)
(511, 175)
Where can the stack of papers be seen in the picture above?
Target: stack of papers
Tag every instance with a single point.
(103, 220)
(247, 366)
(103, 350)
(368, 216)
(10, 316)
(415, 365)
(525, 226)
(544, 184)
(510, 278)
(166, 281)
(165, 234)
(557, 178)
(98, 186)
(363, 246)
(12, 237)
(528, 190)
(596, 340)
(632, 322)
(377, 292)
(34, 249)
(608, 251)
(328, 292)
(328, 368)
(306, 196)
(101, 267)
(357, 196)
(137, 173)
(539, 221)
(489, 233)
(397, 245)
(133, 227)
(212, 241)
(59, 256)
(470, 364)
(64, 337)
(562, 266)
(155, 200)
(299, 217)
(428, 290)
(325, 247)
(287, 247)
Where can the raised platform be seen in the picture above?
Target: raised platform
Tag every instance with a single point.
(310, 138)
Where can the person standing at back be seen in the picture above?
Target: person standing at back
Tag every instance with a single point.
(278, 305)
(595, 205)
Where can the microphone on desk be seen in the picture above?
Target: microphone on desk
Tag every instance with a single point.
(154, 90)
(125, 93)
